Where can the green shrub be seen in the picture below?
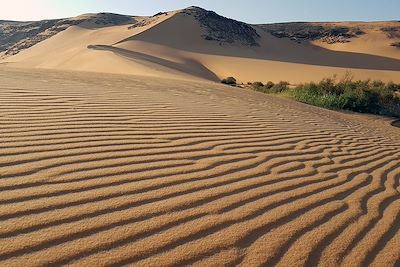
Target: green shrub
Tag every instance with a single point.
(360, 98)
(279, 87)
(374, 97)
(310, 94)
(229, 81)
(328, 86)
(269, 85)
(257, 85)
(367, 96)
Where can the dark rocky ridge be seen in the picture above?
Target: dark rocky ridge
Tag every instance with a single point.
(12, 33)
(392, 32)
(222, 29)
(302, 31)
(104, 19)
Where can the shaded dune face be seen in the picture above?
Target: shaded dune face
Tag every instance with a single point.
(100, 170)
(193, 37)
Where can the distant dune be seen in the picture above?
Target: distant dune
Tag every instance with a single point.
(195, 43)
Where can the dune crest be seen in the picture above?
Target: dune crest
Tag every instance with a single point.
(220, 47)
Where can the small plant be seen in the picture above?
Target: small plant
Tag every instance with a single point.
(258, 85)
(280, 87)
(269, 85)
(229, 81)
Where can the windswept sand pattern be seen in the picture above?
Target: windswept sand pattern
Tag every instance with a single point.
(106, 170)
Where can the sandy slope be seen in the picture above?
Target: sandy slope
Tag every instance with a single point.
(276, 59)
(373, 42)
(113, 170)
(69, 50)
(173, 46)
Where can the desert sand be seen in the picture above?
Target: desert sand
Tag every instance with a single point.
(118, 147)
(105, 170)
(173, 45)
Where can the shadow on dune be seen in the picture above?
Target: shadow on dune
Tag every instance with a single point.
(271, 48)
(189, 66)
(396, 123)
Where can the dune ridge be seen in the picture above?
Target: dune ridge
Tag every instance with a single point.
(217, 47)
(118, 170)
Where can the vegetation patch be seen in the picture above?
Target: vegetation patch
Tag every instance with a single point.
(375, 97)
(270, 87)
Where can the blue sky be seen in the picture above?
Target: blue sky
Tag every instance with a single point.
(252, 11)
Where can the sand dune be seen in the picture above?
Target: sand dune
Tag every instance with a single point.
(100, 170)
(184, 67)
(175, 45)
(374, 41)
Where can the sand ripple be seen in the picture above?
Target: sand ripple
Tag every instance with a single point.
(99, 170)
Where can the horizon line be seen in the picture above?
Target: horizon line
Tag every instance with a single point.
(257, 23)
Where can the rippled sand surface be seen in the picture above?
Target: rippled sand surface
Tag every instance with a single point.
(100, 170)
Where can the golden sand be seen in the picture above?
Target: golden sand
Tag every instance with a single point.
(101, 170)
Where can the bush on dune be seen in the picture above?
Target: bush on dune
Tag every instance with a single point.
(311, 94)
(374, 97)
(229, 81)
(360, 96)
(270, 87)
(258, 85)
(279, 87)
